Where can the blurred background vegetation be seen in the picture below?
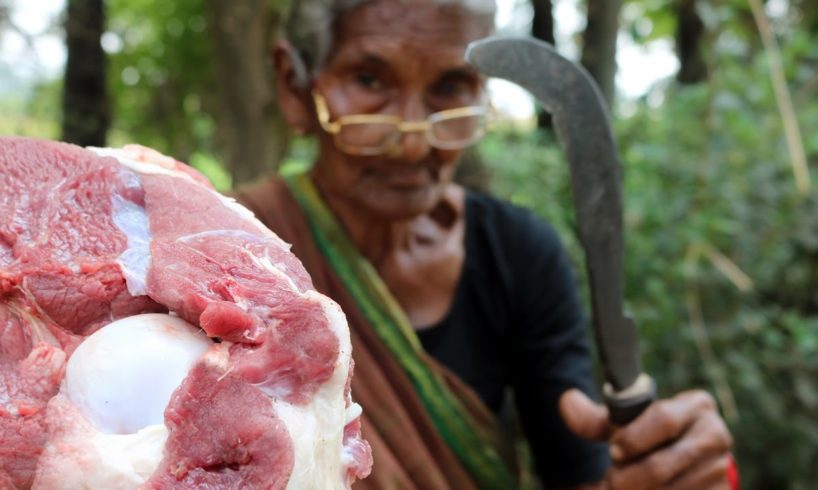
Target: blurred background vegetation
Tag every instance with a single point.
(722, 222)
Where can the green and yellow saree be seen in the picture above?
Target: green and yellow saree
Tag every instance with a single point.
(427, 429)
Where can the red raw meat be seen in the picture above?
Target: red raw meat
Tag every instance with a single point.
(87, 239)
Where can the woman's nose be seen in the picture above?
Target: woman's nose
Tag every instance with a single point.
(414, 144)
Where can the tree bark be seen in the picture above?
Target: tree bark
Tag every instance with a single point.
(689, 34)
(542, 24)
(542, 27)
(599, 44)
(255, 135)
(86, 109)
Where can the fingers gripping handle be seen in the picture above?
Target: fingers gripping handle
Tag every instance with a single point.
(627, 404)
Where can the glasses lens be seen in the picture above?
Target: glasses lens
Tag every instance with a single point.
(457, 132)
(368, 136)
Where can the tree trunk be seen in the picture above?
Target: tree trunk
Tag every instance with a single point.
(542, 27)
(542, 24)
(689, 34)
(255, 135)
(86, 110)
(599, 44)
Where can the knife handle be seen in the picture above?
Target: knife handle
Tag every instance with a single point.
(625, 405)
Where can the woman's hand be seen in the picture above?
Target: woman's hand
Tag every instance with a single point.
(677, 443)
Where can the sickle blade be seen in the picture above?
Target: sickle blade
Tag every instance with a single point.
(582, 124)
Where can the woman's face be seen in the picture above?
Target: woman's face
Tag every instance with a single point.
(403, 59)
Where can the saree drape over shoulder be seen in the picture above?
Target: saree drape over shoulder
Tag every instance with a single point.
(427, 429)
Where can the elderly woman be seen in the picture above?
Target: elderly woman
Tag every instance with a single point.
(453, 297)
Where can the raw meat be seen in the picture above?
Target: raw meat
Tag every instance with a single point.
(153, 334)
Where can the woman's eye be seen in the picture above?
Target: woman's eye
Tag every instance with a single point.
(454, 92)
(369, 81)
(449, 89)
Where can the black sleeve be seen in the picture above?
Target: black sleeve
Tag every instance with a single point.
(550, 354)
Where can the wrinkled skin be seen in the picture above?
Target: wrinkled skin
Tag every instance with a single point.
(677, 443)
(405, 214)
(401, 209)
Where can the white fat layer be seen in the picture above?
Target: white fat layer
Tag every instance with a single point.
(353, 412)
(135, 261)
(127, 460)
(348, 454)
(317, 429)
(135, 165)
(86, 458)
(80, 457)
(121, 377)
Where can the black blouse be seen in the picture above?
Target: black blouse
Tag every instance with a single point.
(516, 322)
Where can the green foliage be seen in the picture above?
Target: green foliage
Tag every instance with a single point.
(161, 76)
(212, 169)
(36, 116)
(648, 20)
(724, 180)
(522, 166)
(708, 170)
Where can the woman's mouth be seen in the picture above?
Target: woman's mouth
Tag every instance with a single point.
(406, 177)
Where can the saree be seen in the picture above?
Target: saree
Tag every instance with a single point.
(427, 429)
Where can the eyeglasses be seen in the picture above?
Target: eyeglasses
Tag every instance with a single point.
(376, 134)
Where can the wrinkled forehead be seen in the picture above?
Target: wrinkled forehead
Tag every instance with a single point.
(419, 30)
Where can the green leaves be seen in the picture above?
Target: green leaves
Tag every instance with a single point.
(160, 74)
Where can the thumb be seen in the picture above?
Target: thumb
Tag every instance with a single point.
(584, 417)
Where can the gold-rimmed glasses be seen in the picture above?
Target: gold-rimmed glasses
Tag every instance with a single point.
(376, 134)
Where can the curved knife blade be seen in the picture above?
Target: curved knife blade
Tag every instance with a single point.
(582, 124)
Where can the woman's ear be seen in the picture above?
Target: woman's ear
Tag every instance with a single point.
(292, 87)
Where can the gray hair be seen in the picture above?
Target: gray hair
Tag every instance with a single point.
(311, 22)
